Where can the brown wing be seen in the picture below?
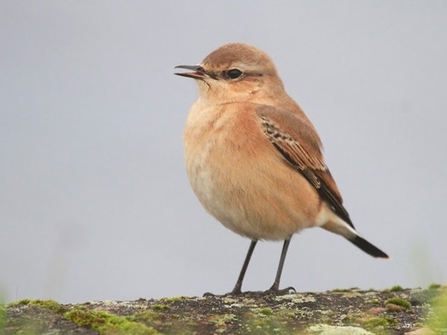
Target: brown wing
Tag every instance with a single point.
(297, 141)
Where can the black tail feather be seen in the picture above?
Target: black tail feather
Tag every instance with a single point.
(368, 247)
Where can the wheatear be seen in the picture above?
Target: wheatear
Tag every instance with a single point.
(253, 158)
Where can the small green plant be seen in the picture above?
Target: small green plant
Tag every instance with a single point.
(266, 311)
(341, 290)
(399, 302)
(2, 317)
(434, 286)
(375, 322)
(22, 302)
(160, 307)
(438, 319)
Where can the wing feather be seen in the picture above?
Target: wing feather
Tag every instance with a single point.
(297, 141)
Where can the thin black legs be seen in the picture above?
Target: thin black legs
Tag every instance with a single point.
(238, 286)
(275, 287)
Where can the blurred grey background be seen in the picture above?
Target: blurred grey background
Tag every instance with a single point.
(94, 198)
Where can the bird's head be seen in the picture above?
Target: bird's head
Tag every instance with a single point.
(235, 72)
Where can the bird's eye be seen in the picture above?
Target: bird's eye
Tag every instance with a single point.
(233, 74)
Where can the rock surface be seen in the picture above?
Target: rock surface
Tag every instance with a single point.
(394, 311)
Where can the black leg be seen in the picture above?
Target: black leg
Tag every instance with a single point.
(238, 286)
(275, 287)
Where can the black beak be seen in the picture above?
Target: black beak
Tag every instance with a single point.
(198, 72)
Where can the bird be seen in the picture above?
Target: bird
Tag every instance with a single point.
(254, 159)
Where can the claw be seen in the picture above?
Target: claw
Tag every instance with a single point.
(275, 291)
(208, 294)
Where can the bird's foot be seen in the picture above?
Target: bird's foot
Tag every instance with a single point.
(277, 292)
(235, 293)
(272, 291)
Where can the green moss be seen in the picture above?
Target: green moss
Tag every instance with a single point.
(174, 299)
(2, 317)
(22, 302)
(167, 323)
(374, 301)
(347, 319)
(438, 319)
(30, 326)
(376, 322)
(339, 290)
(289, 315)
(398, 301)
(160, 307)
(434, 286)
(221, 322)
(106, 323)
(147, 317)
(49, 304)
(262, 326)
(395, 288)
(266, 321)
(266, 311)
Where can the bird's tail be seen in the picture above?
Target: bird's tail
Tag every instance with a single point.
(340, 227)
(367, 247)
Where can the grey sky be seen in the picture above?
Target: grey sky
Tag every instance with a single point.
(94, 199)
